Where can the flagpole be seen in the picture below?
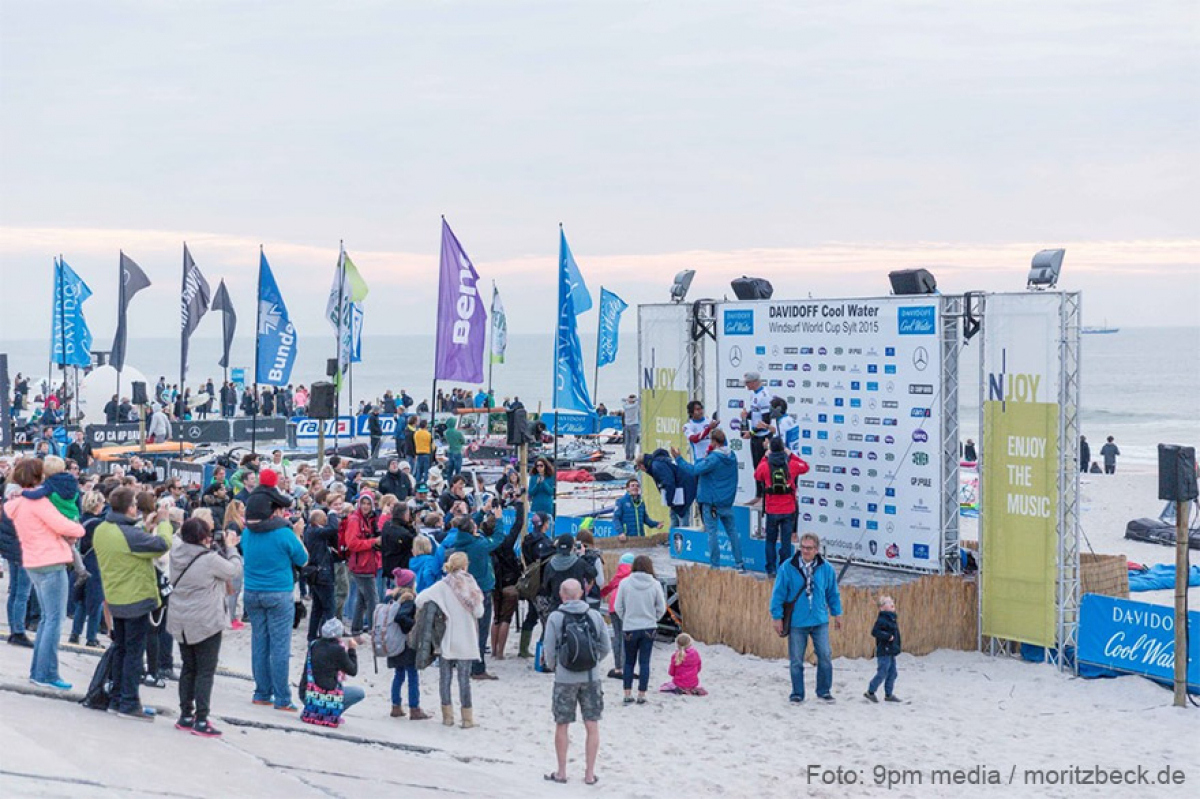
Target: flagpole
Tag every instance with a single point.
(337, 394)
(120, 310)
(257, 327)
(596, 379)
(225, 338)
(491, 349)
(554, 395)
(56, 301)
(437, 352)
(181, 402)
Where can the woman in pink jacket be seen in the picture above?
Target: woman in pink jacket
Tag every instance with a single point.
(45, 536)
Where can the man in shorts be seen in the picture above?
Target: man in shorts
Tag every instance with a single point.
(571, 687)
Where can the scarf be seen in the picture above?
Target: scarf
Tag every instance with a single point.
(807, 568)
(465, 589)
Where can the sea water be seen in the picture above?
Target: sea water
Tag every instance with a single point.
(1141, 385)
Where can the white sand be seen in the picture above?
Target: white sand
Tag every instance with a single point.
(962, 711)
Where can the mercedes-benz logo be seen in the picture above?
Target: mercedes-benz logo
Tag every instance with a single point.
(735, 356)
(920, 358)
(194, 431)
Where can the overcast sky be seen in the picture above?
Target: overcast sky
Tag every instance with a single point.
(817, 144)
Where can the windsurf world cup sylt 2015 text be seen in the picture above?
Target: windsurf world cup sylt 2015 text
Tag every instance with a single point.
(842, 318)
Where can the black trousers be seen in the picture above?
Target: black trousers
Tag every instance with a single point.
(129, 648)
(758, 448)
(160, 644)
(196, 676)
(323, 609)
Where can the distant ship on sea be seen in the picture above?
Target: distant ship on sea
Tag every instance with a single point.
(1104, 328)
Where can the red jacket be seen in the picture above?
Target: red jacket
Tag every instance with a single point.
(781, 504)
(361, 538)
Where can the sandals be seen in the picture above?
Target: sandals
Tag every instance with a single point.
(641, 700)
(592, 781)
(553, 777)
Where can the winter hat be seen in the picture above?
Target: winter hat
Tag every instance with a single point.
(405, 466)
(403, 577)
(422, 488)
(627, 559)
(333, 629)
(268, 477)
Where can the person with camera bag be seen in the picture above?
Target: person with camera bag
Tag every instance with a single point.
(778, 472)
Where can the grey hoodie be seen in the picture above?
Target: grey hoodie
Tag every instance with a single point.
(640, 602)
(554, 629)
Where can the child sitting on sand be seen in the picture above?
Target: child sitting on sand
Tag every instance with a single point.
(684, 669)
(886, 633)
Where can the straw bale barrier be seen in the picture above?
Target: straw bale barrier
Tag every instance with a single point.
(634, 542)
(724, 607)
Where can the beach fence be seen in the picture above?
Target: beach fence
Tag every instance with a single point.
(725, 607)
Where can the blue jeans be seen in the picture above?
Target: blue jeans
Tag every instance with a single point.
(885, 672)
(351, 696)
(414, 686)
(453, 465)
(797, 644)
(421, 470)
(93, 600)
(271, 614)
(779, 529)
(364, 607)
(18, 597)
(712, 514)
(639, 645)
(485, 625)
(51, 587)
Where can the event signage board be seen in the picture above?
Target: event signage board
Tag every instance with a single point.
(100, 435)
(663, 412)
(1021, 449)
(1136, 637)
(201, 431)
(691, 543)
(264, 428)
(863, 382)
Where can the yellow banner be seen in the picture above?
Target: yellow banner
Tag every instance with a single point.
(1020, 513)
(663, 415)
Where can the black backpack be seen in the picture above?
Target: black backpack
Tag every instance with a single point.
(780, 476)
(100, 689)
(577, 644)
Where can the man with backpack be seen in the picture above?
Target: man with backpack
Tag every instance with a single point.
(576, 644)
(778, 472)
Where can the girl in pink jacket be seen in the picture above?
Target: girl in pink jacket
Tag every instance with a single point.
(684, 669)
(45, 536)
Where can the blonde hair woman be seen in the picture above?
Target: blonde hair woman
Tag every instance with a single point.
(459, 598)
(235, 522)
(92, 606)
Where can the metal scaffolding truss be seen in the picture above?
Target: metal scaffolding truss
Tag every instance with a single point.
(1070, 321)
(952, 311)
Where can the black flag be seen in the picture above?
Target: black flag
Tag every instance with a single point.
(193, 302)
(222, 303)
(133, 280)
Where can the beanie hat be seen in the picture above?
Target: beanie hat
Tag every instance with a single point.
(627, 558)
(268, 477)
(333, 629)
(404, 577)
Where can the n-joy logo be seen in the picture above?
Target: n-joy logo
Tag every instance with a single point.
(1006, 386)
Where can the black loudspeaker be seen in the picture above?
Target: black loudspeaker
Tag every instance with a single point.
(912, 281)
(139, 393)
(518, 427)
(752, 288)
(1176, 473)
(331, 367)
(322, 401)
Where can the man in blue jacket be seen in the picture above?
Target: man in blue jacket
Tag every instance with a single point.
(466, 537)
(630, 515)
(716, 488)
(809, 582)
(677, 487)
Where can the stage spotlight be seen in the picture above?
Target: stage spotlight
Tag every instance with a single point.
(1043, 274)
(912, 281)
(752, 288)
(683, 282)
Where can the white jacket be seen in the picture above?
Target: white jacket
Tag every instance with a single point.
(461, 641)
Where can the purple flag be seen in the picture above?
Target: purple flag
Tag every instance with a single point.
(462, 320)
